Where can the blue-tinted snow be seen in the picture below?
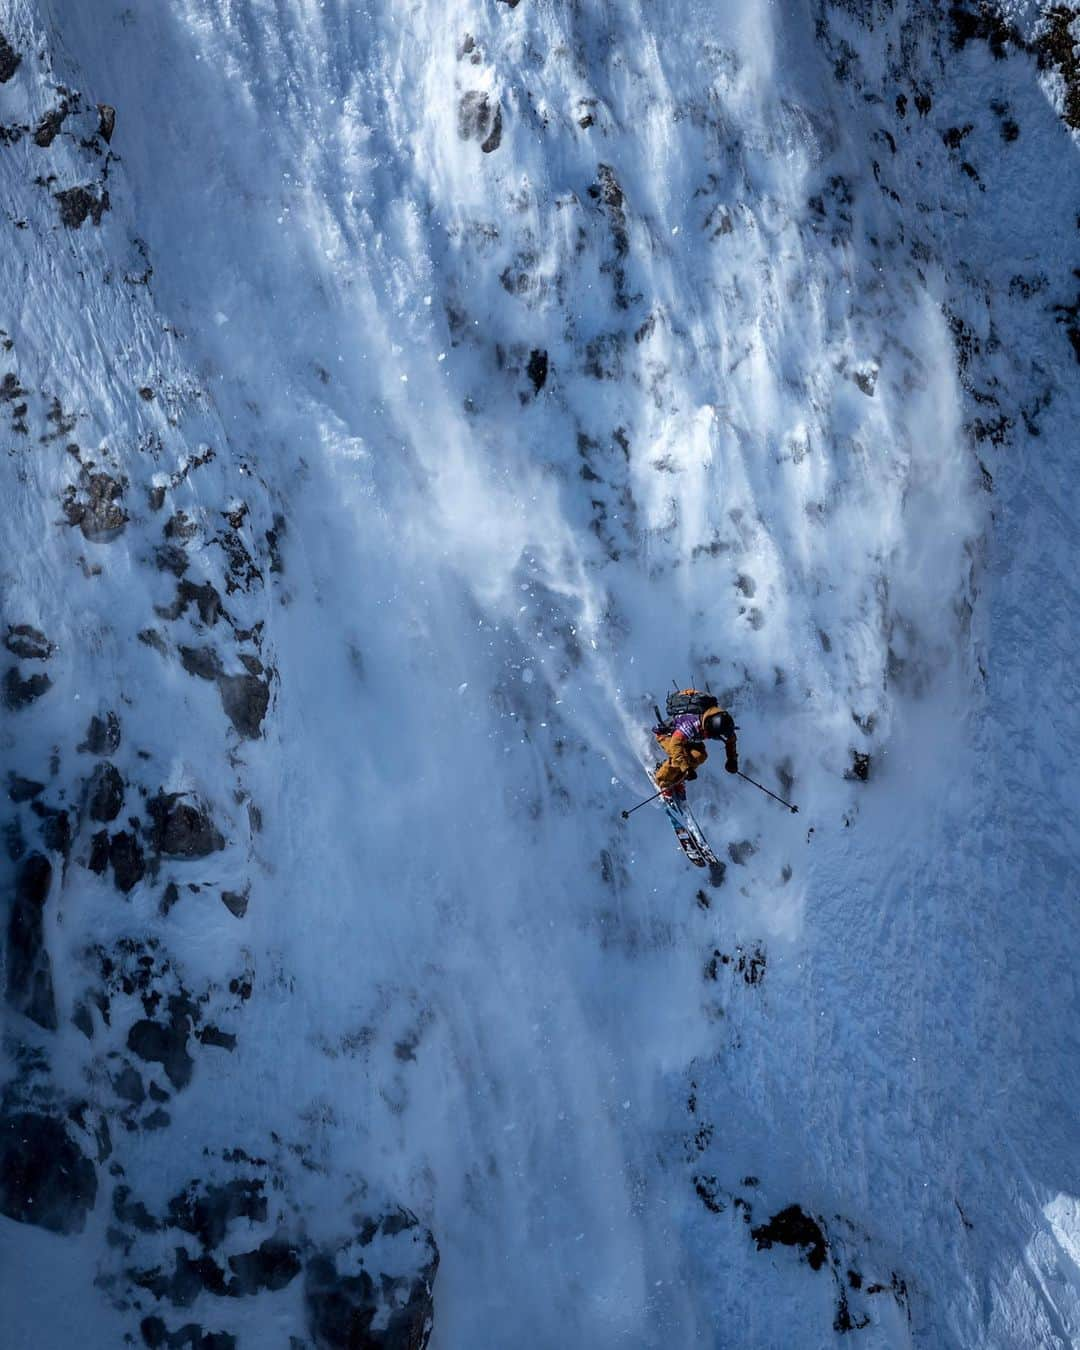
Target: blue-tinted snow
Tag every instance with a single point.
(752, 461)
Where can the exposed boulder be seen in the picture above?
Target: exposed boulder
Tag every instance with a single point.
(29, 643)
(170, 558)
(205, 598)
(99, 512)
(106, 121)
(165, 1043)
(181, 830)
(55, 828)
(272, 1265)
(20, 693)
(128, 861)
(77, 205)
(206, 1211)
(188, 1337)
(29, 970)
(106, 792)
(386, 1307)
(23, 789)
(245, 699)
(792, 1228)
(102, 736)
(202, 662)
(478, 121)
(537, 369)
(45, 1180)
(49, 127)
(236, 902)
(9, 60)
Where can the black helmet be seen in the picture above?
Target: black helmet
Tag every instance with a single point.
(719, 726)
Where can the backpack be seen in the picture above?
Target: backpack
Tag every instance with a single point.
(689, 701)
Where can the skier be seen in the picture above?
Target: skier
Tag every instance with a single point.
(694, 718)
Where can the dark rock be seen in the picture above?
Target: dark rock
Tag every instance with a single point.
(792, 1228)
(207, 1211)
(171, 896)
(14, 843)
(474, 115)
(860, 767)
(188, 1337)
(49, 127)
(156, 1120)
(128, 1084)
(100, 516)
(152, 638)
(272, 1265)
(201, 661)
(211, 1035)
(353, 1312)
(158, 1094)
(106, 791)
(133, 1213)
(180, 526)
(45, 1180)
(99, 852)
(607, 190)
(156, 498)
(1056, 47)
(245, 699)
(81, 1018)
(102, 735)
(187, 1281)
(29, 970)
(494, 138)
(128, 861)
(537, 369)
(23, 789)
(55, 829)
(29, 643)
(170, 558)
(181, 830)
(740, 851)
(205, 598)
(20, 693)
(273, 543)
(106, 121)
(236, 902)
(166, 1044)
(78, 204)
(9, 60)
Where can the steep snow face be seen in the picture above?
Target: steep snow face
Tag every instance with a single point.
(394, 402)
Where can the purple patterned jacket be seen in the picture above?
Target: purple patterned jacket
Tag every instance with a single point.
(688, 725)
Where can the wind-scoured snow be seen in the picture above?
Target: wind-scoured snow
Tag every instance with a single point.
(485, 366)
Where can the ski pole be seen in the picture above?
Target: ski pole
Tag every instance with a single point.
(627, 814)
(792, 809)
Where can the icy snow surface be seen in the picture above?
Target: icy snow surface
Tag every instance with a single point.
(548, 352)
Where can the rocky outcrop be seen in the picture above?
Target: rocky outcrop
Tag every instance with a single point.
(45, 1179)
(387, 1304)
(29, 970)
(181, 830)
(96, 504)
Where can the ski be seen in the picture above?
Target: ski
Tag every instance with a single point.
(688, 832)
(686, 840)
(701, 845)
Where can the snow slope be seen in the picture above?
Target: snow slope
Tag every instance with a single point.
(545, 354)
